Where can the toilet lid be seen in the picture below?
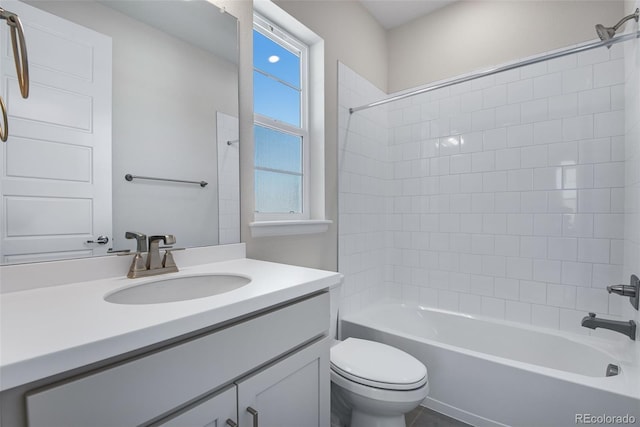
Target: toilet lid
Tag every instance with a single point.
(377, 365)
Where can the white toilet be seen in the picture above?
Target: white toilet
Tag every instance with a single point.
(374, 382)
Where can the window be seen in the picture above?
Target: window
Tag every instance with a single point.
(289, 125)
(281, 134)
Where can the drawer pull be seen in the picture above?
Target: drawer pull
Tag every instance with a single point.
(231, 423)
(254, 414)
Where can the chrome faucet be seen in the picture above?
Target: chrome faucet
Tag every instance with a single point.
(153, 257)
(625, 328)
(154, 263)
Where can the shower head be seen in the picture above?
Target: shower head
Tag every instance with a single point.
(607, 33)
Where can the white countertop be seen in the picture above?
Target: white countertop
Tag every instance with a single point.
(50, 330)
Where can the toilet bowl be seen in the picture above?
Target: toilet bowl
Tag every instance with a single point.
(372, 384)
(378, 384)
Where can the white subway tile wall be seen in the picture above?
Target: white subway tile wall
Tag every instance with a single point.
(511, 196)
(368, 235)
(629, 96)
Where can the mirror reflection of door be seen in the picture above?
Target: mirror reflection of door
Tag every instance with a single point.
(55, 169)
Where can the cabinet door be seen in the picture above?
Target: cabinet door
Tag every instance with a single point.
(293, 392)
(213, 412)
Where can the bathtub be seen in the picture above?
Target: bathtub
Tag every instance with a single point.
(494, 373)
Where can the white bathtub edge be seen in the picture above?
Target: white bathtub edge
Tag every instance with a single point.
(459, 414)
(623, 385)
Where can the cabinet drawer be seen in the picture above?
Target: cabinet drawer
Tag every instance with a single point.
(134, 392)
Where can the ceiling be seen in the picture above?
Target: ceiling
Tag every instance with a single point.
(393, 13)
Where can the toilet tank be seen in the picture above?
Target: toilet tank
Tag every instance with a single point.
(335, 293)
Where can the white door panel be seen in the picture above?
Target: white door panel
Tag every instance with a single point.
(56, 166)
(51, 105)
(60, 50)
(32, 158)
(46, 256)
(45, 216)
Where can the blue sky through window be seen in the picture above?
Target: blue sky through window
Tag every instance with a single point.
(287, 68)
(271, 97)
(278, 154)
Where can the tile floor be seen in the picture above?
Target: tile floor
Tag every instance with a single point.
(424, 417)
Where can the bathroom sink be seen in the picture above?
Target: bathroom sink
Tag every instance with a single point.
(178, 289)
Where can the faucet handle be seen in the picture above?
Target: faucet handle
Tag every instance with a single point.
(168, 239)
(624, 290)
(632, 290)
(141, 240)
(592, 315)
(168, 261)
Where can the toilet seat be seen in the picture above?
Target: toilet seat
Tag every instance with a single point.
(377, 365)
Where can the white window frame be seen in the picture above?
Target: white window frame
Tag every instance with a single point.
(293, 44)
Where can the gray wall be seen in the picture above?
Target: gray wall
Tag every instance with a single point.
(478, 34)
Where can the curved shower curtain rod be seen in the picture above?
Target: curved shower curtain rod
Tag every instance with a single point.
(491, 71)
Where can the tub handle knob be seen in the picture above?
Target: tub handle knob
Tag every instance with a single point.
(624, 290)
(632, 290)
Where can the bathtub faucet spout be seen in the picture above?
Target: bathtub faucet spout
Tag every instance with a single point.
(625, 328)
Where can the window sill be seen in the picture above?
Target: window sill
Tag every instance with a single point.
(288, 228)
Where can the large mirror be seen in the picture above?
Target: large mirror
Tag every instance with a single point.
(131, 125)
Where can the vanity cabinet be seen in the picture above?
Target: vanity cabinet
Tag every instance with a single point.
(275, 362)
